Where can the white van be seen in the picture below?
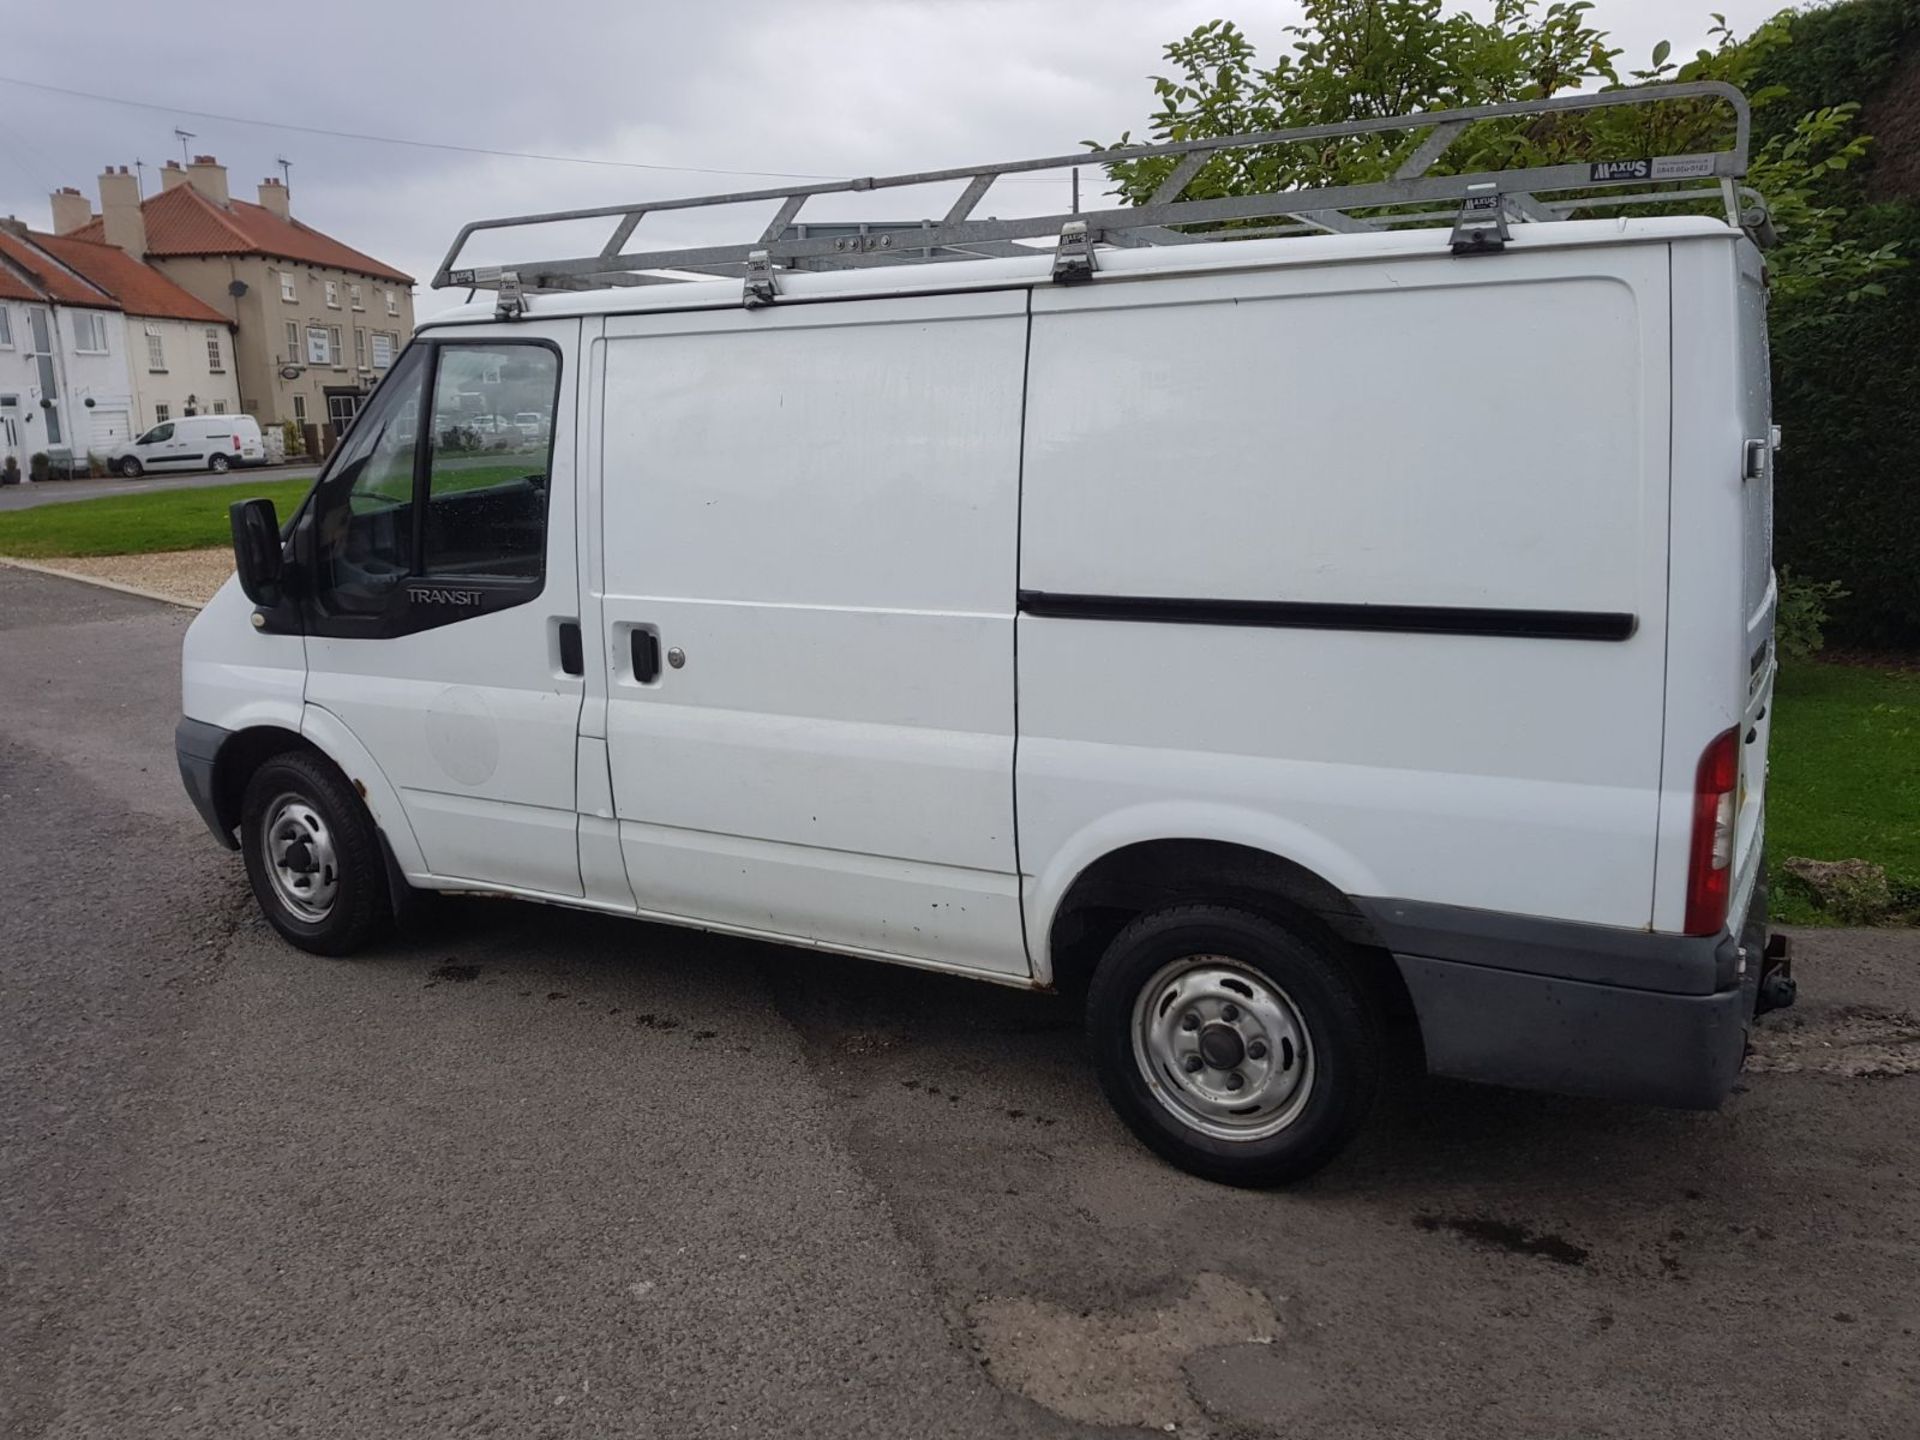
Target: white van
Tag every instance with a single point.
(1294, 643)
(193, 442)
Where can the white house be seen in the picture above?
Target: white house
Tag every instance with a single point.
(97, 346)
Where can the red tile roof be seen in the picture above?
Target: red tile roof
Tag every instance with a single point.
(182, 221)
(139, 288)
(52, 279)
(12, 287)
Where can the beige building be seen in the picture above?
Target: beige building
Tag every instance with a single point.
(315, 322)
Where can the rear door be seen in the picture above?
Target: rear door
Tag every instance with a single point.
(808, 534)
(445, 572)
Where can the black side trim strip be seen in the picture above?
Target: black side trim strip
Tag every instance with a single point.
(1311, 615)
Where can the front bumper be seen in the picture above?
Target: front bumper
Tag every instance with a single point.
(197, 746)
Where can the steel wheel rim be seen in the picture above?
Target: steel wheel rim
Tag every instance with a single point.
(1222, 1048)
(301, 863)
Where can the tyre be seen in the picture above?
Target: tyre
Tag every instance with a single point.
(313, 855)
(1237, 1049)
(130, 468)
(219, 464)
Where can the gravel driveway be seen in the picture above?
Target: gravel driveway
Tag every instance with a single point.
(532, 1173)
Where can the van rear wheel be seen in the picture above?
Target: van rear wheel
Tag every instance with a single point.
(218, 464)
(313, 855)
(1239, 1050)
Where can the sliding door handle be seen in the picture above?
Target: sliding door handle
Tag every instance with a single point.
(646, 656)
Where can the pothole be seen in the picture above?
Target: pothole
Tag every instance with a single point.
(1118, 1368)
(1853, 1041)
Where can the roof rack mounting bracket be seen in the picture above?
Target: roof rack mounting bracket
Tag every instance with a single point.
(1073, 261)
(760, 288)
(510, 302)
(1482, 226)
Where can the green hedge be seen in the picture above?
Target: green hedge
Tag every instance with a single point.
(1847, 382)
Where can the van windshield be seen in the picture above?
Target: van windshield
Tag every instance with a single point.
(158, 433)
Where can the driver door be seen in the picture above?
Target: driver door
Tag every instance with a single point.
(442, 577)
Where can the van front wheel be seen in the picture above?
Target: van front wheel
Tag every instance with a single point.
(1233, 1047)
(313, 856)
(130, 468)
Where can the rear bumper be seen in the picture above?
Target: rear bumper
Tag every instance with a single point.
(1577, 1038)
(1577, 1009)
(196, 745)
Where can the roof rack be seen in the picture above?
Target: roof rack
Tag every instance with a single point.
(1479, 205)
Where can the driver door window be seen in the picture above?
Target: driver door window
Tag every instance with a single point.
(432, 483)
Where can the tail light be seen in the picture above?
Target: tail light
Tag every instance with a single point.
(236, 442)
(1710, 856)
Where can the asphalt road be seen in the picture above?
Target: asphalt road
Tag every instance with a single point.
(550, 1175)
(28, 496)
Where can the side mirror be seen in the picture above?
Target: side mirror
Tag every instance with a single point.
(256, 549)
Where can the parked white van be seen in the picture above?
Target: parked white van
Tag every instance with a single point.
(193, 442)
(1294, 642)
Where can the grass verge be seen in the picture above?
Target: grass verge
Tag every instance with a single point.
(136, 523)
(1845, 777)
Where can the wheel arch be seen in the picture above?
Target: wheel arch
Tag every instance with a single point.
(321, 734)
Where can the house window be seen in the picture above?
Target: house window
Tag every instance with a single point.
(287, 292)
(393, 302)
(293, 342)
(318, 351)
(300, 409)
(360, 348)
(162, 414)
(6, 329)
(335, 350)
(382, 350)
(219, 407)
(213, 353)
(354, 299)
(89, 332)
(156, 351)
(333, 294)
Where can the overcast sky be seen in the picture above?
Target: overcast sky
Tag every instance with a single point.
(828, 87)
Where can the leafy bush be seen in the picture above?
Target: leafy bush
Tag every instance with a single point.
(1800, 622)
(296, 438)
(37, 465)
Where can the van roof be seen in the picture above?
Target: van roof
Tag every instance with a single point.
(715, 292)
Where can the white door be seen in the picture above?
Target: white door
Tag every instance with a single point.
(808, 541)
(445, 572)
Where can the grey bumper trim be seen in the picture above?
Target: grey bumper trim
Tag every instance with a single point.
(1559, 949)
(197, 745)
(1576, 1038)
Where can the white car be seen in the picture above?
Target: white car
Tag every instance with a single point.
(193, 442)
(1289, 642)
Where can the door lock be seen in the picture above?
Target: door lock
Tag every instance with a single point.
(676, 657)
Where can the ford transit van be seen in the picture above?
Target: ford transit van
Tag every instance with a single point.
(1297, 644)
